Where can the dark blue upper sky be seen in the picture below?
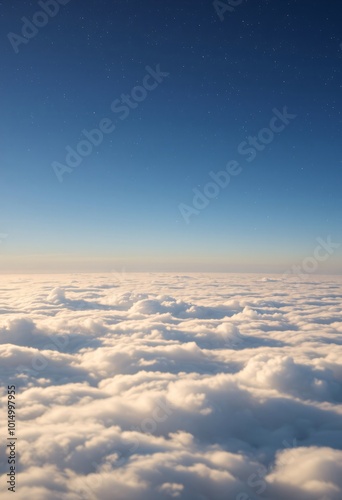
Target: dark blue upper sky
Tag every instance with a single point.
(121, 206)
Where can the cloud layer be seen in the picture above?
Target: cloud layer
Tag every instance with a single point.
(160, 386)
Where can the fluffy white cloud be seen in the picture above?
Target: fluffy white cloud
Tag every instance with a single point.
(159, 386)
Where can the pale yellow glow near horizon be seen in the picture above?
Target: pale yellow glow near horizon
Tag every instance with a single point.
(66, 263)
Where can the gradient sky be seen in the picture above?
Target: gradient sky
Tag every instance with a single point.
(120, 207)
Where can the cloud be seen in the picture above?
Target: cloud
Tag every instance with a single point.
(311, 472)
(164, 386)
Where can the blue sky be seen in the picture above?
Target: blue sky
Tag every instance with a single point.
(120, 207)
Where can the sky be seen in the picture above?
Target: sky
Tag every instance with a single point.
(186, 85)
